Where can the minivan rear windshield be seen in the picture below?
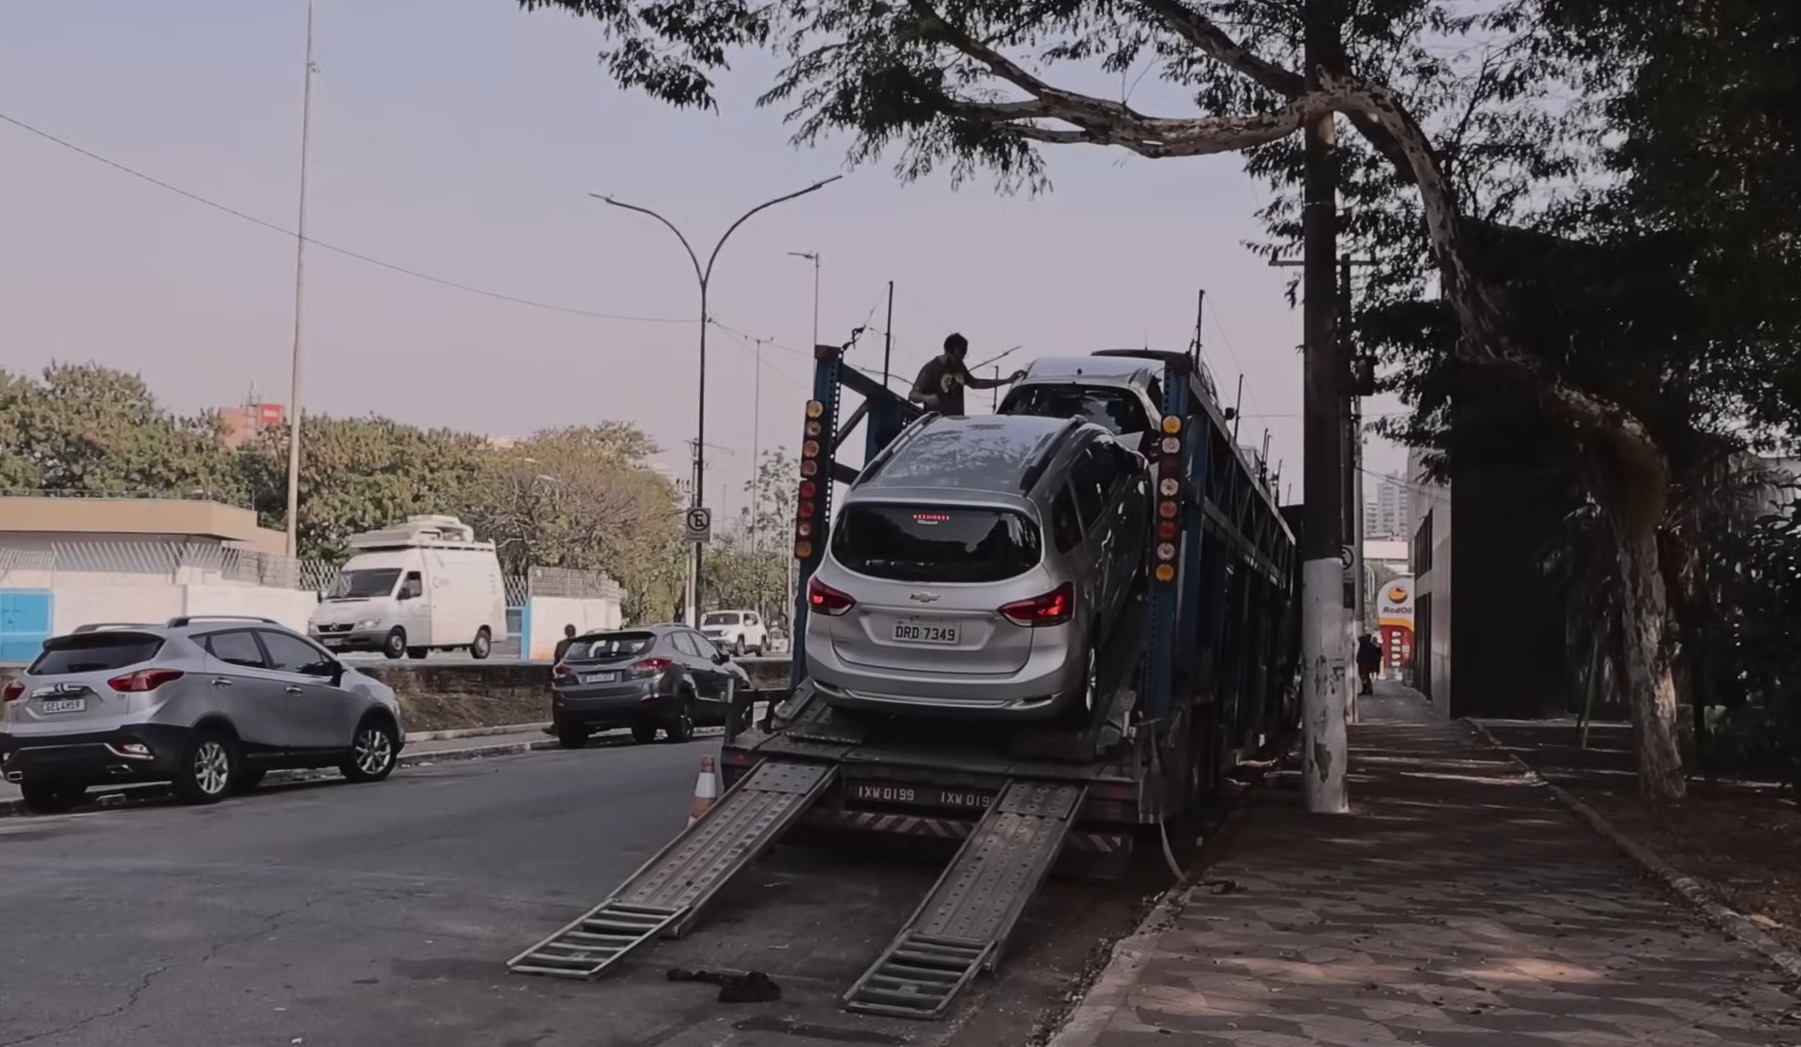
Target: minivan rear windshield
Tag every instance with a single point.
(365, 584)
(611, 645)
(915, 543)
(1119, 410)
(721, 618)
(94, 653)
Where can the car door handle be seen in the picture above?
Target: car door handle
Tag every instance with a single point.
(293, 690)
(221, 681)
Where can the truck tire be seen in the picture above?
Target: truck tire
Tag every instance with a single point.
(394, 644)
(483, 645)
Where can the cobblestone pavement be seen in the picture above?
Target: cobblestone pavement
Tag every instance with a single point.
(1457, 906)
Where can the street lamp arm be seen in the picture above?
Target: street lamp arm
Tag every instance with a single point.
(693, 258)
(745, 217)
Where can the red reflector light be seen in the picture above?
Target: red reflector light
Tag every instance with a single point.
(810, 449)
(808, 488)
(14, 691)
(1167, 510)
(648, 666)
(1166, 531)
(809, 468)
(804, 510)
(827, 600)
(143, 680)
(1053, 608)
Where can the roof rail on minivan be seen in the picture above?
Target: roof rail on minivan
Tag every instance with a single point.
(189, 619)
(94, 627)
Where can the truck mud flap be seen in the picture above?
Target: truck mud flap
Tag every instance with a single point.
(667, 894)
(961, 927)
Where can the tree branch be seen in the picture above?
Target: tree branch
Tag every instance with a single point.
(1206, 35)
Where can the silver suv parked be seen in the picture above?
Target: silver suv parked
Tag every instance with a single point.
(975, 568)
(208, 704)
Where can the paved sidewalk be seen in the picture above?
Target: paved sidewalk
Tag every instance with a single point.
(1458, 906)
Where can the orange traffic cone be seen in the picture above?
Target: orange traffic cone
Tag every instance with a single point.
(706, 791)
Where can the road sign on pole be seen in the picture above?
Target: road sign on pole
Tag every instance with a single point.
(698, 524)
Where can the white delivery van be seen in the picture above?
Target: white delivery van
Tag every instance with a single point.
(425, 585)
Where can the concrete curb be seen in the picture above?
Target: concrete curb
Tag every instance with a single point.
(9, 808)
(1111, 991)
(474, 732)
(1735, 924)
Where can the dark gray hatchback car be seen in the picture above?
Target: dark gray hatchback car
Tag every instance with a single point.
(656, 677)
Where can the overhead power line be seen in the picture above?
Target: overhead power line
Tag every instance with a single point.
(346, 252)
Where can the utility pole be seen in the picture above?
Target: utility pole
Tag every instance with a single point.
(887, 336)
(704, 275)
(1324, 653)
(1200, 306)
(756, 477)
(306, 135)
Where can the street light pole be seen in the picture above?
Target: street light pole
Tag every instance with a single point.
(704, 275)
(812, 256)
(756, 478)
(306, 132)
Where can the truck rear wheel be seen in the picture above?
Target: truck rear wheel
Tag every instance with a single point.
(483, 645)
(394, 644)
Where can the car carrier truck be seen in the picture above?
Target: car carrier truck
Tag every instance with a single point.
(1201, 676)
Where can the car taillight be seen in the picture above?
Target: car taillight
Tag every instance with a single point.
(143, 680)
(651, 666)
(827, 600)
(561, 670)
(14, 691)
(1053, 608)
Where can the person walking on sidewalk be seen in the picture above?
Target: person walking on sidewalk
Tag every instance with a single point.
(563, 644)
(1369, 662)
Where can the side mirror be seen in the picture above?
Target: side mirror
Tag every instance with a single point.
(721, 657)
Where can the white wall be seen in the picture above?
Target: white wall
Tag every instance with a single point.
(546, 615)
(78, 603)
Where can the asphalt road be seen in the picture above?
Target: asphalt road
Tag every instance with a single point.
(331, 914)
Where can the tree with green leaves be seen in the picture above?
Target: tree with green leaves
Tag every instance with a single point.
(585, 498)
(360, 474)
(84, 428)
(984, 85)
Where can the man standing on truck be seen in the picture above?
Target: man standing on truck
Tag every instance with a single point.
(942, 380)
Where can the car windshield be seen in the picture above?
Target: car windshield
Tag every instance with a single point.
(1118, 410)
(94, 653)
(932, 544)
(720, 618)
(611, 645)
(364, 584)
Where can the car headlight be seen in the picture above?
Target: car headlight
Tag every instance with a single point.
(373, 623)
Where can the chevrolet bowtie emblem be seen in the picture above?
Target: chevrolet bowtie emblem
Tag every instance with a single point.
(924, 597)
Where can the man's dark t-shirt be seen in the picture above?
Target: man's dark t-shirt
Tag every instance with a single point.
(944, 378)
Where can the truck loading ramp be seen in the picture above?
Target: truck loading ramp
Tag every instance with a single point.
(665, 896)
(961, 926)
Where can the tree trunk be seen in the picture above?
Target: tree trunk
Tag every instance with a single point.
(1646, 672)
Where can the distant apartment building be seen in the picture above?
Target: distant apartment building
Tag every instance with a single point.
(1387, 515)
(246, 421)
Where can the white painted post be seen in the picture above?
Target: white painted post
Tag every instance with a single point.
(1324, 681)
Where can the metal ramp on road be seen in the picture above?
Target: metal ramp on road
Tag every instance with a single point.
(961, 926)
(664, 897)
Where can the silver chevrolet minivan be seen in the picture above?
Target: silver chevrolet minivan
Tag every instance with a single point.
(976, 567)
(207, 704)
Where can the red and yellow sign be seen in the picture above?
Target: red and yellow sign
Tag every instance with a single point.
(1394, 617)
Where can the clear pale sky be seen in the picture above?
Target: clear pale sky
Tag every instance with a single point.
(461, 138)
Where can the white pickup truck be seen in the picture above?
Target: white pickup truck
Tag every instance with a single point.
(736, 631)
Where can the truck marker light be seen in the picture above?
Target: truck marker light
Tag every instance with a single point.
(808, 488)
(809, 468)
(802, 550)
(1166, 551)
(1171, 445)
(1165, 572)
(815, 408)
(814, 428)
(806, 510)
(1168, 486)
(804, 529)
(810, 449)
(1166, 530)
(1171, 424)
(1167, 510)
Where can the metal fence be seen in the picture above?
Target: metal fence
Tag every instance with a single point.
(160, 562)
(572, 583)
